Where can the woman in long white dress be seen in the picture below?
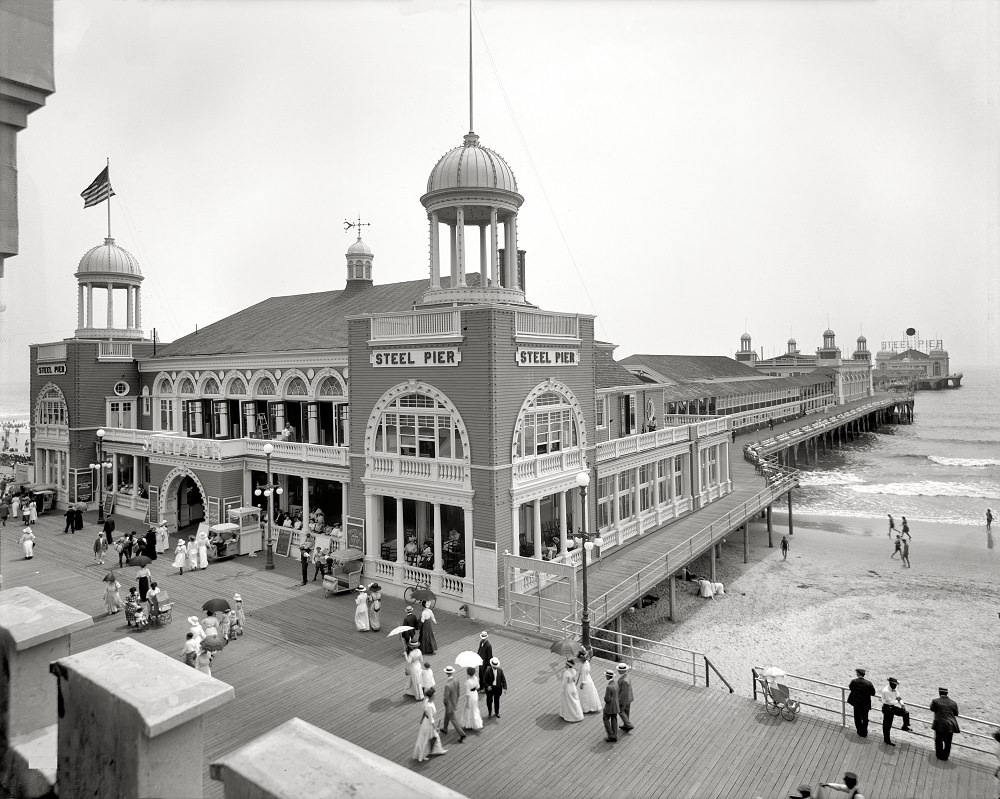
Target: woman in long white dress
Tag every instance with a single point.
(180, 555)
(414, 673)
(590, 700)
(202, 541)
(428, 738)
(113, 601)
(162, 538)
(361, 610)
(471, 719)
(569, 698)
(27, 542)
(192, 553)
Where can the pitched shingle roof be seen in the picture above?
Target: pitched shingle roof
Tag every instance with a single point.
(691, 367)
(608, 373)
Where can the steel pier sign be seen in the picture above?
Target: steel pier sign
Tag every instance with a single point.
(913, 344)
(417, 356)
(531, 356)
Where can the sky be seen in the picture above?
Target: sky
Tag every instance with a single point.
(691, 171)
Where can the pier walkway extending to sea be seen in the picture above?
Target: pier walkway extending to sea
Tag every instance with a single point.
(301, 656)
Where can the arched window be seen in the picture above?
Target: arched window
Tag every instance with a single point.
(418, 426)
(51, 408)
(238, 387)
(330, 388)
(187, 386)
(296, 388)
(265, 387)
(211, 386)
(549, 425)
(165, 386)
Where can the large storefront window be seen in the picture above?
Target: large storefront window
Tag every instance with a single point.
(549, 426)
(52, 408)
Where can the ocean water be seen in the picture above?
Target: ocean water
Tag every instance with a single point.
(944, 468)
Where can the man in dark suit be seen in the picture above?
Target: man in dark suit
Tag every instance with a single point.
(945, 725)
(451, 694)
(485, 651)
(859, 697)
(625, 697)
(611, 707)
(409, 620)
(495, 684)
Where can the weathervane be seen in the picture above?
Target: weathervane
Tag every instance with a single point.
(359, 224)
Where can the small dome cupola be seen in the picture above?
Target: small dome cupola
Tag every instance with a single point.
(473, 186)
(109, 268)
(793, 346)
(359, 258)
(745, 342)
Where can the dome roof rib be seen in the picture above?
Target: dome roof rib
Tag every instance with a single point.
(109, 258)
(472, 166)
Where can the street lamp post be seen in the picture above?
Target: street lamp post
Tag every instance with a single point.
(99, 467)
(269, 489)
(589, 541)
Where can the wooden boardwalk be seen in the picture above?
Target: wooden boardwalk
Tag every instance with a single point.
(302, 657)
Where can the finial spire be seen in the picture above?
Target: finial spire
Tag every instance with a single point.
(471, 128)
(359, 224)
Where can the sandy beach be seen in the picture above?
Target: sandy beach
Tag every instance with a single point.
(840, 602)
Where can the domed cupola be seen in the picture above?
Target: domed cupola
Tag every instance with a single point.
(109, 268)
(862, 353)
(359, 264)
(746, 353)
(793, 346)
(473, 186)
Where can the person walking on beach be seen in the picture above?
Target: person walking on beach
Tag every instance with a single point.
(906, 528)
(989, 519)
(784, 547)
(849, 786)
(860, 695)
(625, 697)
(905, 553)
(892, 525)
(945, 725)
(452, 691)
(897, 546)
(892, 705)
(611, 707)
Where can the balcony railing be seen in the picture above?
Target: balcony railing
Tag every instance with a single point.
(570, 460)
(437, 471)
(547, 325)
(416, 325)
(640, 442)
(115, 351)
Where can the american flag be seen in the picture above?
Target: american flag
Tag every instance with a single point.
(98, 191)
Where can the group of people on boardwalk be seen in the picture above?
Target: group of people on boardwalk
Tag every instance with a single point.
(21, 507)
(209, 635)
(192, 553)
(901, 540)
(368, 608)
(579, 694)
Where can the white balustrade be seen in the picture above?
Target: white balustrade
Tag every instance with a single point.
(417, 325)
(548, 325)
(115, 351)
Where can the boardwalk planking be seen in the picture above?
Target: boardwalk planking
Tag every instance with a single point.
(301, 657)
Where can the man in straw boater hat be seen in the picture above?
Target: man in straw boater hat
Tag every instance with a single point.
(860, 693)
(409, 620)
(849, 786)
(945, 725)
(611, 707)
(892, 705)
(485, 651)
(625, 697)
(451, 691)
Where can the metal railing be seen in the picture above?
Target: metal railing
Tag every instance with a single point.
(832, 699)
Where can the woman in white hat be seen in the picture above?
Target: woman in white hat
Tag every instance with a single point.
(414, 672)
(375, 606)
(590, 700)
(241, 619)
(27, 542)
(569, 698)
(180, 555)
(428, 739)
(361, 610)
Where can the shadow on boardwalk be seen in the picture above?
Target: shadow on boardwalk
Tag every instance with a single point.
(301, 656)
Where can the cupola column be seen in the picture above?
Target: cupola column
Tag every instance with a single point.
(435, 252)
(494, 257)
(514, 280)
(111, 306)
(90, 305)
(483, 258)
(460, 243)
(79, 310)
(138, 308)
(454, 256)
(129, 322)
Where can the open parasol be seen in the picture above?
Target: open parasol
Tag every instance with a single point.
(110, 577)
(468, 659)
(140, 560)
(80, 506)
(567, 648)
(213, 643)
(403, 628)
(216, 605)
(773, 673)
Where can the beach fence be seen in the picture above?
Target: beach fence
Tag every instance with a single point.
(829, 699)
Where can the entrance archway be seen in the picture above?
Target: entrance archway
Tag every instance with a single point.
(184, 501)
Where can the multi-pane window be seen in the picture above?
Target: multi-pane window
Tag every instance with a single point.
(627, 413)
(626, 495)
(120, 414)
(549, 426)
(605, 496)
(664, 468)
(166, 414)
(646, 494)
(52, 409)
(678, 476)
(220, 417)
(433, 433)
(193, 417)
(601, 411)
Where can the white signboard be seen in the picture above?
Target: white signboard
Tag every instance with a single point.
(52, 369)
(423, 356)
(529, 356)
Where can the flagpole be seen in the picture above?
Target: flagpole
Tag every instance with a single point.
(109, 199)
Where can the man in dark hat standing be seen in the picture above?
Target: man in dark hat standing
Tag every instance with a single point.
(611, 707)
(945, 725)
(485, 651)
(625, 697)
(860, 698)
(892, 705)
(849, 786)
(409, 620)
(495, 683)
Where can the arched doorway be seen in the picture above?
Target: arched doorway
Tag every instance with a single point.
(183, 502)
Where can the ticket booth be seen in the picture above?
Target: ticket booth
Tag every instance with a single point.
(246, 524)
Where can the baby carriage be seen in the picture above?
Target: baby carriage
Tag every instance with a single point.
(776, 699)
